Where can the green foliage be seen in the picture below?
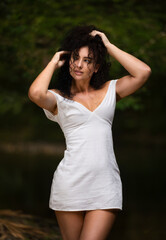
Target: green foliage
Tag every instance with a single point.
(130, 102)
(12, 103)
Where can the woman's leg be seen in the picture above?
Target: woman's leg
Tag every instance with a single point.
(97, 224)
(70, 224)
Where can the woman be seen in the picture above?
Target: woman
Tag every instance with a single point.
(86, 191)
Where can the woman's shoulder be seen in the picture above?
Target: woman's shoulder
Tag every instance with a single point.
(55, 90)
(106, 84)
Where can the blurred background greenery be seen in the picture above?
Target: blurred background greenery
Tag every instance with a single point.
(32, 146)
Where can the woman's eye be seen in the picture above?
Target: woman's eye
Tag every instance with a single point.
(88, 61)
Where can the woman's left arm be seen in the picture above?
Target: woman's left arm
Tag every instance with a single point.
(138, 70)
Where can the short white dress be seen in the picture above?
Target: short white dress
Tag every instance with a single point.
(88, 177)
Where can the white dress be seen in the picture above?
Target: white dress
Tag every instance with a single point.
(88, 176)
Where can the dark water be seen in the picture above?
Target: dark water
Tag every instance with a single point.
(25, 181)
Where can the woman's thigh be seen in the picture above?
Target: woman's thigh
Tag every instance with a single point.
(97, 224)
(70, 223)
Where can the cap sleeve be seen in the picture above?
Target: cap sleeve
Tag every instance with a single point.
(113, 90)
(49, 114)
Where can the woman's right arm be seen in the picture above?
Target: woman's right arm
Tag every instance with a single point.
(38, 91)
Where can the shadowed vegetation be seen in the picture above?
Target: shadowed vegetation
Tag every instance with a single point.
(15, 225)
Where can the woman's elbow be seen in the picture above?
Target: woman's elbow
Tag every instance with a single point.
(31, 94)
(146, 73)
(34, 94)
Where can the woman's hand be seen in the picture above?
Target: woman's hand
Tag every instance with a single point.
(102, 35)
(58, 59)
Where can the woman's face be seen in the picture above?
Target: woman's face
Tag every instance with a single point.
(82, 64)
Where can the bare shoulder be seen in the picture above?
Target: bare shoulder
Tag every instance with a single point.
(104, 88)
(56, 91)
(106, 84)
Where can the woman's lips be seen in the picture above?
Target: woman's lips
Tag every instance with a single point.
(78, 72)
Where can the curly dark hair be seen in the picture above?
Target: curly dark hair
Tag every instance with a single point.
(76, 38)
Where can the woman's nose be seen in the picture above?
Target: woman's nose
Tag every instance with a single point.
(79, 63)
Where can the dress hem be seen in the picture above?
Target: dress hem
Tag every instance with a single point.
(87, 209)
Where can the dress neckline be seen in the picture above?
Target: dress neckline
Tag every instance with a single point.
(81, 105)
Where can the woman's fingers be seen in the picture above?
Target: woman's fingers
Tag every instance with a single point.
(102, 35)
(95, 32)
(64, 54)
(59, 58)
